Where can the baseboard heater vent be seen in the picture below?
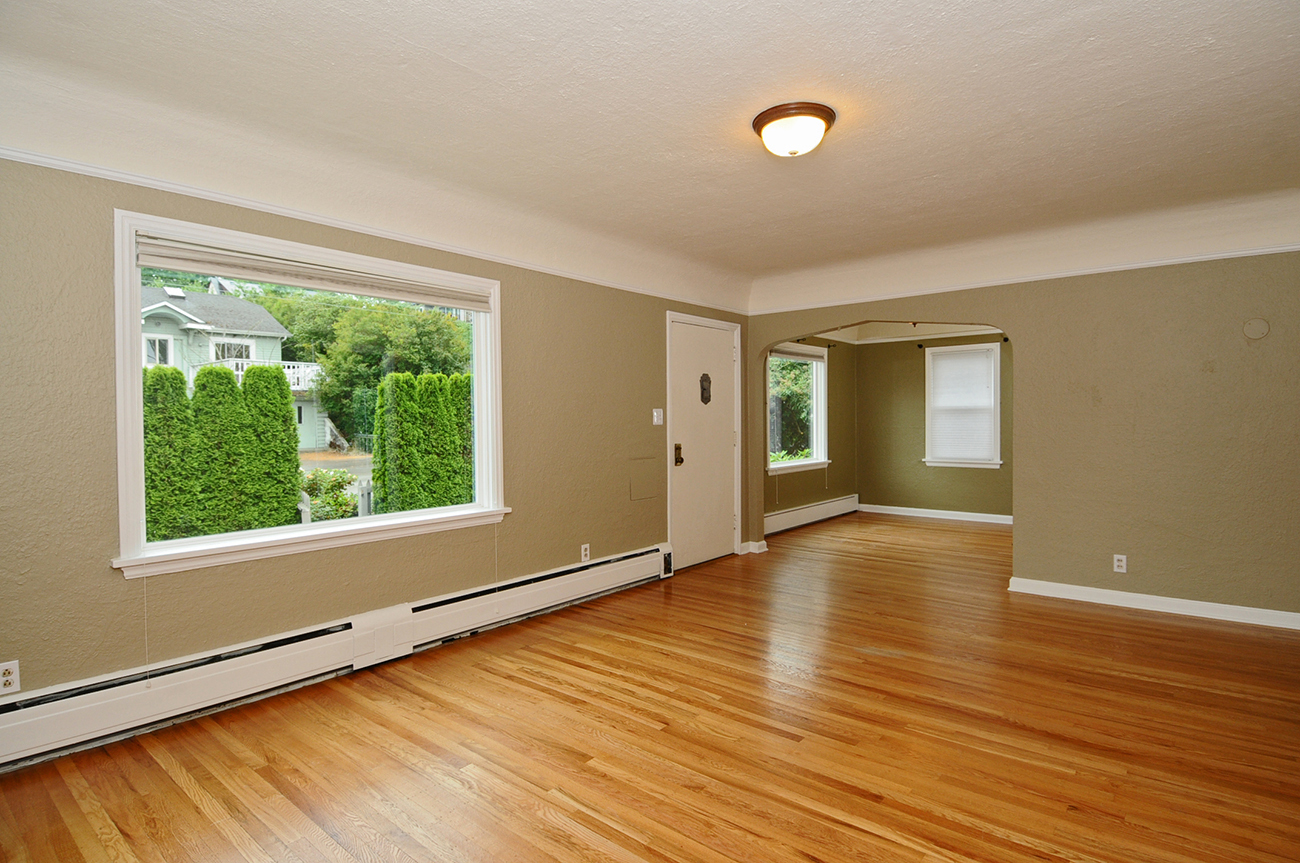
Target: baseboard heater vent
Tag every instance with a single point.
(157, 673)
(536, 579)
(47, 723)
(444, 618)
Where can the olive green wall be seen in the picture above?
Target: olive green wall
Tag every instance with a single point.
(582, 368)
(1146, 423)
(839, 478)
(891, 434)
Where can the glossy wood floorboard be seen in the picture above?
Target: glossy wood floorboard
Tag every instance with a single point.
(865, 691)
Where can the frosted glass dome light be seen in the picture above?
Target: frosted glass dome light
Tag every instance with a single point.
(794, 128)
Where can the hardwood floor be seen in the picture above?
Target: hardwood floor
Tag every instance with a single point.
(865, 691)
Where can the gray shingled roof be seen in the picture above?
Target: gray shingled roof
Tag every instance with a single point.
(221, 311)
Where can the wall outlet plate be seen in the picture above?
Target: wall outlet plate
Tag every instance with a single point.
(1121, 563)
(586, 552)
(9, 680)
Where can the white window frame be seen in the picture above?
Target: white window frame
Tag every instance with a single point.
(161, 337)
(818, 434)
(215, 340)
(407, 282)
(995, 350)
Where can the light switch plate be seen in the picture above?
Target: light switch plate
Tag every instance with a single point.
(658, 416)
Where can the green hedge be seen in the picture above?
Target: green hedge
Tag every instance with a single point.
(397, 465)
(222, 460)
(272, 475)
(423, 442)
(462, 403)
(170, 488)
(224, 452)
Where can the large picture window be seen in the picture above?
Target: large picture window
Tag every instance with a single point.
(796, 398)
(395, 368)
(962, 406)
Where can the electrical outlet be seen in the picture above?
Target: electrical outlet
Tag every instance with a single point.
(1121, 563)
(9, 681)
(586, 552)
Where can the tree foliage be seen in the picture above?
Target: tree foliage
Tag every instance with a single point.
(462, 402)
(224, 448)
(328, 492)
(272, 475)
(790, 406)
(423, 442)
(396, 459)
(170, 487)
(359, 340)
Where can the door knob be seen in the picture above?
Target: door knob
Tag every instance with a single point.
(677, 453)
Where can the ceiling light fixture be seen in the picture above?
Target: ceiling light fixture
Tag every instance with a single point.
(794, 128)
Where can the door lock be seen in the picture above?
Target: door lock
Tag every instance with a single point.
(677, 455)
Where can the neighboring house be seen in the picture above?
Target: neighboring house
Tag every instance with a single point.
(191, 330)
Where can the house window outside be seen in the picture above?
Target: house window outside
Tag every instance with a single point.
(157, 351)
(228, 349)
(963, 406)
(210, 468)
(796, 387)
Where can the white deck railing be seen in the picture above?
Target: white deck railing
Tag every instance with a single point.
(301, 375)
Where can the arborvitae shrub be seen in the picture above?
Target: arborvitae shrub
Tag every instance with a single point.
(423, 442)
(462, 404)
(379, 453)
(170, 482)
(225, 452)
(272, 483)
(396, 460)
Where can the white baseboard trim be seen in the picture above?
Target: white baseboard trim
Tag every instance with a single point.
(949, 514)
(753, 547)
(34, 724)
(1166, 604)
(799, 515)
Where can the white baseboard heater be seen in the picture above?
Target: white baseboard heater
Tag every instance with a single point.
(39, 725)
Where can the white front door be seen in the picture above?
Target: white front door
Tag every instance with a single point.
(703, 439)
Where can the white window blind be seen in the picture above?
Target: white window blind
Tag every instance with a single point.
(171, 254)
(962, 406)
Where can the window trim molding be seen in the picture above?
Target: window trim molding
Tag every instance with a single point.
(137, 558)
(817, 355)
(994, 348)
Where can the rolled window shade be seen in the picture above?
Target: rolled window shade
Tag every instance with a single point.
(210, 261)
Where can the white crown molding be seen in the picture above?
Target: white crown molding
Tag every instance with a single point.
(1165, 604)
(1239, 227)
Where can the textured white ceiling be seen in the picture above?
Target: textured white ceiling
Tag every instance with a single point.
(957, 120)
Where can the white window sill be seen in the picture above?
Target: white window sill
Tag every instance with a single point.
(793, 466)
(937, 463)
(179, 555)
